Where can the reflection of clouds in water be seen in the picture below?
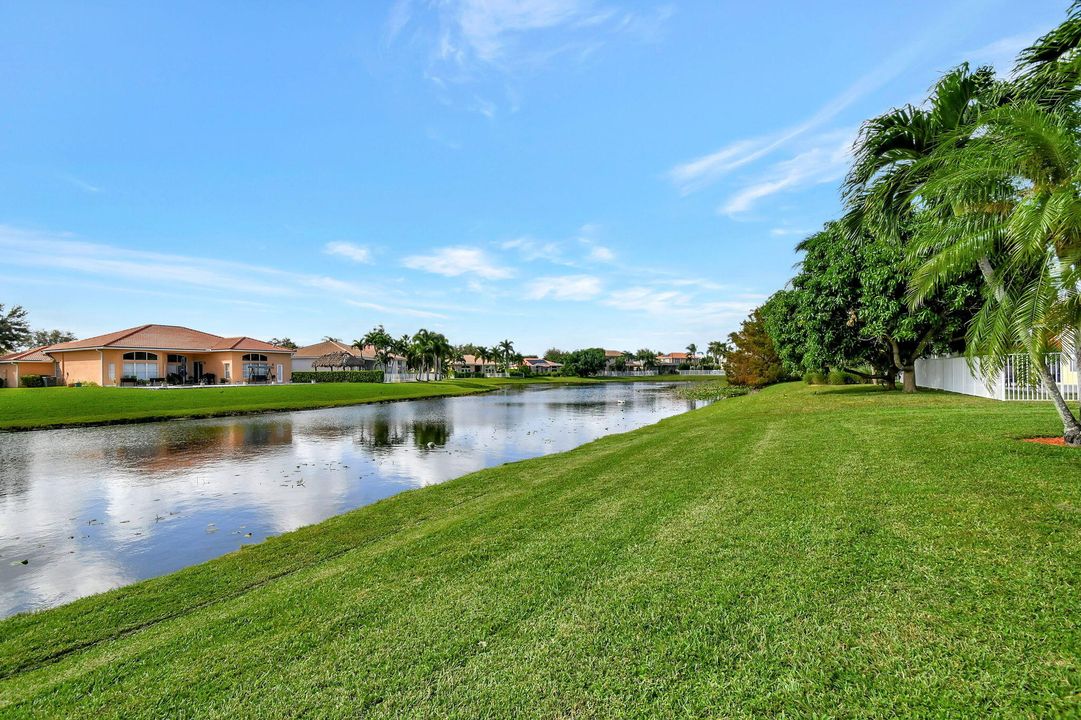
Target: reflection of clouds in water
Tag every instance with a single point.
(166, 495)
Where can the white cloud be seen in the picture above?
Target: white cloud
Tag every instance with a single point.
(410, 312)
(477, 41)
(825, 161)
(128, 269)
(699, 172)
(601, 254)
(80, 183)
(788, 231)
(455, 261)
(1002, 53)
(565, 287)
(532, 249)
(356, 253)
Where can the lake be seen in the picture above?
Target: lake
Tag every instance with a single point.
(91, 509)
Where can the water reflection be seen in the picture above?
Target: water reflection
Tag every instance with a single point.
(95, 508)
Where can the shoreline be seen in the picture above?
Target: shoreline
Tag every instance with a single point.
(444, 388)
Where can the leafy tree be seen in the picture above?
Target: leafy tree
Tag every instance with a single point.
(753, 361)
(39, 338)
(506, 349)
(555, 355)
(331, 338)
(14, 329)
(647, 357)
(717, 350)
(584, 363)
(284, 342)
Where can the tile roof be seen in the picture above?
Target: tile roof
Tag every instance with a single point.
(320, 349)
(33, 355)
(474, 360)
(166, 337)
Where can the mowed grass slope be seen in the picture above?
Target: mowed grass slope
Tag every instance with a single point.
(808, 552)
(38, 408)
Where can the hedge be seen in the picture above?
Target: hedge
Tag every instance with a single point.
(336, 376)
(31, 381)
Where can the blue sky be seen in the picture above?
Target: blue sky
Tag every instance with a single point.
(559, 172)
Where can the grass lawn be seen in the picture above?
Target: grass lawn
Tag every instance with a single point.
(28, 408)
(802, 551)
(37, 408)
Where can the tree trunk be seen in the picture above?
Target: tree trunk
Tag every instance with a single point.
(1071, 429)
(908, 378)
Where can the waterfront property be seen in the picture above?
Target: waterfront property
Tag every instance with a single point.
(308, 357)
(812, 551)
(162, 354)
(1017, 381)
(541, 366)
(25, 363)
(473, 365)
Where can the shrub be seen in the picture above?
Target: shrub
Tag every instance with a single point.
(31, 381)
(3, 383)
(815, 378)
(840, 377)
(339, 376)
(753, 360)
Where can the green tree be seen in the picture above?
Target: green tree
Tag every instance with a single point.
(282, 342)
(506, 348)
(647, 357)
(753, 361)
(14, 329)
(39, 338)
(381, 341)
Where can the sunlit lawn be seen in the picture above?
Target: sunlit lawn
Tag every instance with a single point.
(829, 552)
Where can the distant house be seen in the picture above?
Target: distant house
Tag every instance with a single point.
(541, 366)
(610, 356)
(305, 357)
(671, 361)
(153, 354)
(26, 362)
(473, 365)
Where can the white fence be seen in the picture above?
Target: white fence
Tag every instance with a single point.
(701, 372)
(1016, 382)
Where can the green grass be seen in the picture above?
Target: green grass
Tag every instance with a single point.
(39, 408)
(810, 552)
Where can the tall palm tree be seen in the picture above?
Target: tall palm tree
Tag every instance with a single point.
(507, 348)
(718, 350)
(381, 341)
(692, 350)
(888, 169)
(1007, 201)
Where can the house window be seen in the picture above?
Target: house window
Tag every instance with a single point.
(228, 368)
(140, 365)
(255, 365)
(175, 363)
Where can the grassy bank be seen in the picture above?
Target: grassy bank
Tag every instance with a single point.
(38, 408)
(806, 551)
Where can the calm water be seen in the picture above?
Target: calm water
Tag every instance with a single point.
(95, 508)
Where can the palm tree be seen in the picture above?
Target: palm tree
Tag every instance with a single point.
(718, 350)
(507, 348)
(1007, 202)
(692, 350)
(888, 168)
(379, 339)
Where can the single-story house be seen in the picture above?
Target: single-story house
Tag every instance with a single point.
(473, 364)
(155, 353)
(25, 362)
(304, 358)
(541, 366)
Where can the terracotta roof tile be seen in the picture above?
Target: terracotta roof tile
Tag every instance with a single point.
(32, 355)
(166, 337)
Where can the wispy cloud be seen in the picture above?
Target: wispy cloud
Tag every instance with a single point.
(473, 41)
(704, 170)
(564, 287)
(455, 261)
(409, 312)
(356, 253)
(80, 183)
(824, 161)
(1002, 53)
(54, 255)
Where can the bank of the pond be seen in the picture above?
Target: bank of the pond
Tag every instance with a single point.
(46, 408)
(800, 551)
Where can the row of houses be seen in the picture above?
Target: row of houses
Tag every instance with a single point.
(175, 355)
